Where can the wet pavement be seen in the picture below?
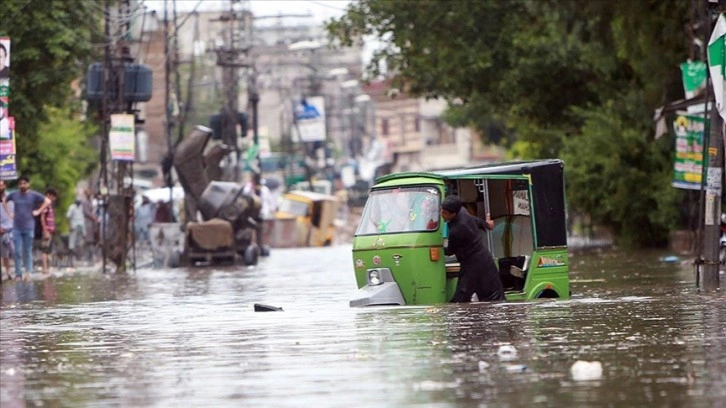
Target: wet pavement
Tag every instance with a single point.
(190, 337)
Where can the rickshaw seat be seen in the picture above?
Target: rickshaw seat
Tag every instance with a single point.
(516, 264)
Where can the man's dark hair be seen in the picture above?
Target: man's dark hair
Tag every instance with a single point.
(451, 204)
(51, 191)
(23, 178)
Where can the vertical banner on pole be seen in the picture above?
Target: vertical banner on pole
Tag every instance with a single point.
(688, 164)
(122, 137)
(8, 169)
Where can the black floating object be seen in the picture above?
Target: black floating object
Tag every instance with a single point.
(259, 307)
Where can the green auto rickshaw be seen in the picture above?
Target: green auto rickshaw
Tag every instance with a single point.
(398, 247)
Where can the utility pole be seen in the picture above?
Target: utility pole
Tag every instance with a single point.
(709, 281)
(116, 84)
(229, 58)
(120, 204)
(168, 108)
(105, 110)
(712, 208)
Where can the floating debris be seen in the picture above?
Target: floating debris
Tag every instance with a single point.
(259, 307)
(507, 352)
(516, 368)
(586, 370)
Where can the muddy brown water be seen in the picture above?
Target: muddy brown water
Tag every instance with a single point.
(190, 337)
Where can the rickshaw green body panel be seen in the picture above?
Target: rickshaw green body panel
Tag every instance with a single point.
(419, 278)
(416, 258)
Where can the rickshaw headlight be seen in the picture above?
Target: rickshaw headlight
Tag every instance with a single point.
(374, 277)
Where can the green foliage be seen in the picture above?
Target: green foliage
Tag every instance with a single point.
(618, 176)
(64, 157)
(51, 46)
(571, 79)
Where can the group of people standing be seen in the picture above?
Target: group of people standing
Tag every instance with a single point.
(148, 213)
(18, 229)
(83, 226)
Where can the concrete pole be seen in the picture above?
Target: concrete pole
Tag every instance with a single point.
(712, 205)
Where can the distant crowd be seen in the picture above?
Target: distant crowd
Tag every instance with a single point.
(28, 224)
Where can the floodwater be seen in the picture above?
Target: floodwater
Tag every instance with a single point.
(190, 338)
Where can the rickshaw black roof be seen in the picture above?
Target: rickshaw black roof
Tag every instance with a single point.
(511, 167)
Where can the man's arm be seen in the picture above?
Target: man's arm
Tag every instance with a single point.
(7, 207)
(46, 203)
(9, 210)
(484, 225)
(451, 241)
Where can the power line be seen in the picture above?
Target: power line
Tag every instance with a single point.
(184, 20)
(321, 4)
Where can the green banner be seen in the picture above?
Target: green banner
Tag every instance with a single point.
(694, 75)
(688, 165)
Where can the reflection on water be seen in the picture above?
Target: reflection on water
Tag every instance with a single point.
(191, 337)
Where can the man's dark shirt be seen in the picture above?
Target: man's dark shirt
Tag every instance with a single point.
(478, 272)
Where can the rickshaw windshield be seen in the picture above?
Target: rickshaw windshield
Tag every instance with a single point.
(404, 209)
(293, 207)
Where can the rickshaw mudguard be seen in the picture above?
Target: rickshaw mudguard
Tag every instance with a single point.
(387, 293)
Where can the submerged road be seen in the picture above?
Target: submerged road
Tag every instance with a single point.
(190, 337)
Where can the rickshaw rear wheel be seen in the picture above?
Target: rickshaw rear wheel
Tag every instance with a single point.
(547, 294)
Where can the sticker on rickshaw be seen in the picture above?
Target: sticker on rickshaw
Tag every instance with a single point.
(545, 262)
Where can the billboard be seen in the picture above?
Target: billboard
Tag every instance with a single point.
(309, 116)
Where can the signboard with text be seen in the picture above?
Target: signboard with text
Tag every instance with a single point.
(688, 164)
(310, 119)
(122, 137)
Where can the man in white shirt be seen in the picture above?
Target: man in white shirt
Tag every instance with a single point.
(77, 222)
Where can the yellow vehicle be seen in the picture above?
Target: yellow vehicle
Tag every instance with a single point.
(303, 219)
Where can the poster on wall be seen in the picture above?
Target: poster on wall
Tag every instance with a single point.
(122, 137)
(4, 67)
(688, 163)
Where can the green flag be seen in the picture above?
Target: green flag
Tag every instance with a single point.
(717, 63)
(694, 75)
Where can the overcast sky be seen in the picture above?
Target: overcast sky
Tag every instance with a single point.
(321, 10)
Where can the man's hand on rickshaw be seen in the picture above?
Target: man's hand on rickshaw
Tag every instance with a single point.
(489, 222)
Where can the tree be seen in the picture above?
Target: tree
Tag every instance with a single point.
(52, 42)
(65, 156)
(563, 76)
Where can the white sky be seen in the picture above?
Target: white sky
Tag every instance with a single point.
(320, 9)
